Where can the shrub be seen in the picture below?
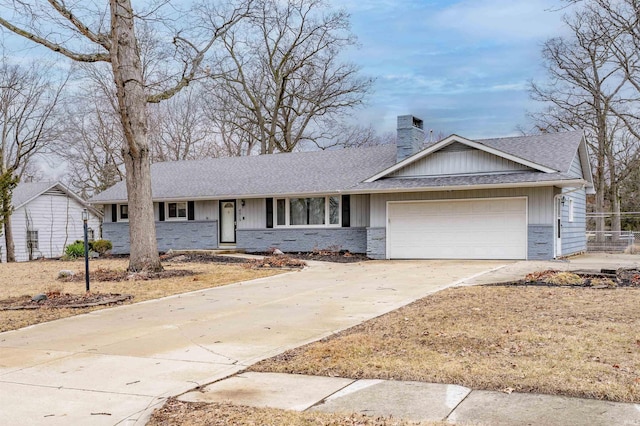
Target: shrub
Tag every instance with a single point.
(101, 246)
(75, 250)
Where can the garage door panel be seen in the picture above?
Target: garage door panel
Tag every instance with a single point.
(467, 229)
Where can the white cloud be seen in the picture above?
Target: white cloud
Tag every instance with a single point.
(502, 19)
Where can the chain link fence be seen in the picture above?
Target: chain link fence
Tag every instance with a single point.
(613, 242)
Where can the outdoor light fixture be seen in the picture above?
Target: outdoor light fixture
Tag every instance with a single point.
(85, 219)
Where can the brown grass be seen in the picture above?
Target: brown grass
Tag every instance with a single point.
(175, 412)
(555, 340)
(30, 278)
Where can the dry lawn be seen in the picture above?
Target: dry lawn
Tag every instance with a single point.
(30, 278)
(195, 414)
(569, 341)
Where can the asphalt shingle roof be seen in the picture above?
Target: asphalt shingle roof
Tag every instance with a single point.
(277, 174)
(553, 150)
(335, 171)
(24, 192)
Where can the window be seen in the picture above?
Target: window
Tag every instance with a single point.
(32, 240)
(307, 211)
(177, 210)
(123, 210)
(312, 211)
(91, 235)
(570, 209)
(281, 209)
(334, 210)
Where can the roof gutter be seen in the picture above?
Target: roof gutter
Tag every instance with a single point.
(559, 183)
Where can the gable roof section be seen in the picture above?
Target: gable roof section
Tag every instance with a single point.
(317, 172)
(548, 153)
(26, 192)
(548, 158)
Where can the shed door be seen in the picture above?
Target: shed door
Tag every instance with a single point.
(457, 229)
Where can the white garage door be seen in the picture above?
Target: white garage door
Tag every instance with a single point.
(458, 229)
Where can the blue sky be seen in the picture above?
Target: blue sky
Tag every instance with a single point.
(461, 66)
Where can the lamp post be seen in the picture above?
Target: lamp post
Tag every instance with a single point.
(85, 219)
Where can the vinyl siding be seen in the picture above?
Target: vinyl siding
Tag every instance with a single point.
(253, 215)
(540, 210)
(576, 167)
(58, 220)
(573, 234)
(206, 210)
(455, 162)
(359, 210)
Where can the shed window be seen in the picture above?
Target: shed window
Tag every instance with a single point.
(32, 240)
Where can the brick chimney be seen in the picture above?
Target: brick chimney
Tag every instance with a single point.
(410, 136)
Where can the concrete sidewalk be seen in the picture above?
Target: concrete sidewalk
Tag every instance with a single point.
(415, 401)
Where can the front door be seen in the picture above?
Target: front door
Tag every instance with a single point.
(227, 221)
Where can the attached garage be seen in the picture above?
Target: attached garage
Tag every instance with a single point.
(494, 228)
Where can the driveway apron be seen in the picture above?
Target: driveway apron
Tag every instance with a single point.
(115, 366)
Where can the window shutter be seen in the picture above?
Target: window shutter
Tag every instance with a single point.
(114, 212)
(161, 211)
(269, 212)
(346, 211)
(191, 210)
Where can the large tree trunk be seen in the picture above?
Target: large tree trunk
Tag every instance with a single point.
(132, 101)
(8, 239)
(5, 215)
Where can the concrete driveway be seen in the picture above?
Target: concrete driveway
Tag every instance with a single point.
(115, 366)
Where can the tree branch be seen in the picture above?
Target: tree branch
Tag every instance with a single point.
(80, 57)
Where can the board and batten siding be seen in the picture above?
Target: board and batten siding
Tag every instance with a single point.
(359, 205)
(58, 220)
(453, 162)
(206, 210)
(253, 215)
(540, 204)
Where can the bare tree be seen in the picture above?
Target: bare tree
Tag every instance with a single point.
(585, 86)
(282, 77)
(86, 32)
(91, 144)
(28, 107)
(180, 129)
(617, 25)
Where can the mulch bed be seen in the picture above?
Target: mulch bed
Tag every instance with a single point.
(66, 300)
(325, 256)
(118, 275)
(604, 279)
(200, 258)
